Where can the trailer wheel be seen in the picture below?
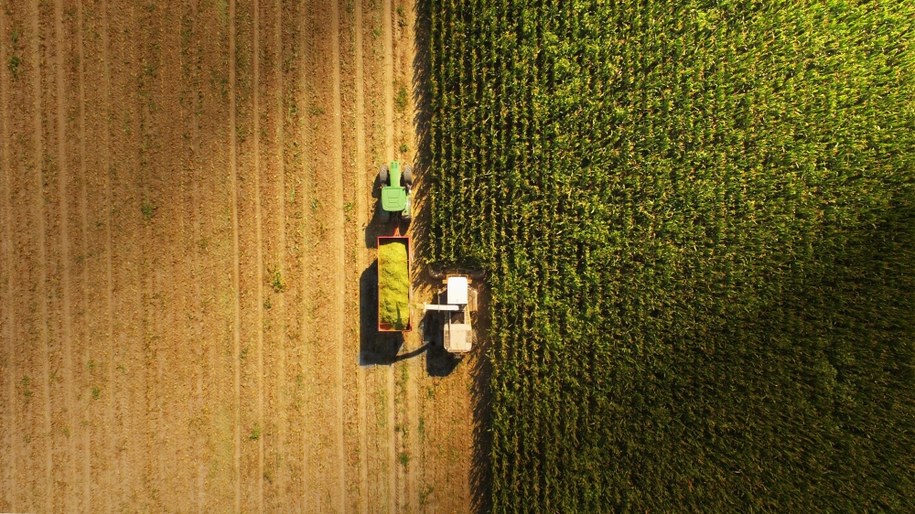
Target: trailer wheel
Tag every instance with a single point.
(383, 175)
(408, 175)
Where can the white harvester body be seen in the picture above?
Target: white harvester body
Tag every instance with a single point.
(457, 333)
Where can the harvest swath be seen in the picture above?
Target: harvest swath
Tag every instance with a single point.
(697, 222)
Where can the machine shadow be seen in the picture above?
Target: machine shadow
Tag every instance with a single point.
(379, 348)
(374, 347)
(439, 363)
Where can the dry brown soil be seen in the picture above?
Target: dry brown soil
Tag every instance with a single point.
(186, 250)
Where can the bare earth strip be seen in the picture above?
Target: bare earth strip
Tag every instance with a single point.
(361, 169)
(64, 157)
(336, 210)
(22, 241)
(190, 100)
(236, 279)
(9, 459)
(41, 82)
(352, 256)
(98, 254)
(293, 473)
(129, 359)
(85, 371)
(249, 251)
(273, 243)
(187, 281)
(323, 262)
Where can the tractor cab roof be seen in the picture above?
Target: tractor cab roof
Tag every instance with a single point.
(393, 198)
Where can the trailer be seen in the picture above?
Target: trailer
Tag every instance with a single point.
(394, 288)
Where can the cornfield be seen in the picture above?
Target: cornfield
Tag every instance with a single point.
(698, 223)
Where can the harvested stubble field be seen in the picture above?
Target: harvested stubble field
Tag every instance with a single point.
(184, 208)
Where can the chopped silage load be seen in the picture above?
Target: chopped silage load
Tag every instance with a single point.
(394, 285)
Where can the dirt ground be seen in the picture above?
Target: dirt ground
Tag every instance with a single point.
(186, 264)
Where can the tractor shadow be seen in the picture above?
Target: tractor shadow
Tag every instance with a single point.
(374, 347)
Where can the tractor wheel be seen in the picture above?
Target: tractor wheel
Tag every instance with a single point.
(408, 175)
(383, 215)
(383, 175)
(436, 273)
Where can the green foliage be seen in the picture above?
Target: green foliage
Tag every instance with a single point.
(698, 220)
(148, 210)
(26, 386)
(401, 98)
(13, 66)
(276, 281)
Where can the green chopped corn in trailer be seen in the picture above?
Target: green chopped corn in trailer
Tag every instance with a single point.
(394, 284)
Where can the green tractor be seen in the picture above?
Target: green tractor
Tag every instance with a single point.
(395, 184)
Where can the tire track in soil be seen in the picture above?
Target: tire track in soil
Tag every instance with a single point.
(177, 362)
(215, 158)
(52, 171)
(362, 256)
(396, 476)
(259, 260)
(293, 470)
(25, 245)
(65, 265)
(169, 271)
(10, 462)
(106, 484)
(90, 253)
(152, 209)
(233, 166)
(42, 253)
(325, 280)
(251, 274)
(131, 380)
(97, 257)
(270, 121)
(351, 253)
(278, 465)
(191, 107)
(307, 301)
(54, 168)
(85, 370)
(338, 243)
